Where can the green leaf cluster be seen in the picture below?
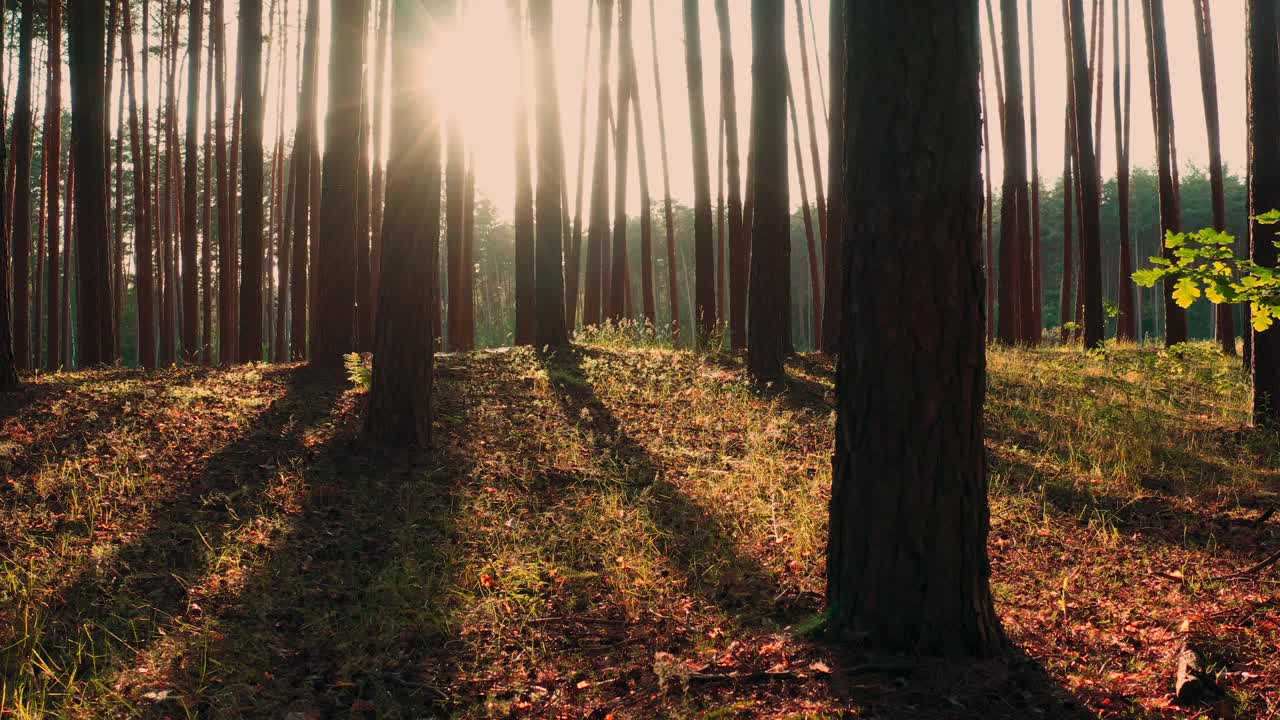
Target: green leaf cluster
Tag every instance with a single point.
(1204, 265)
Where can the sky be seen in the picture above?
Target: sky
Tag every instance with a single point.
(475, 72)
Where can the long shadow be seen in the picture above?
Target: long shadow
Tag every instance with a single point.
(118, 607)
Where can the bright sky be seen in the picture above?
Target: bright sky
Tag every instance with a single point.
(1228, 24)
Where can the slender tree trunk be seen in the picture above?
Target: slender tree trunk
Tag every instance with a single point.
(526, 326)
(21, 223)
(673, 287)
(815, 280)
(190, 271)
(1209, 88)
(722, 278)
(8, 371)
(142, 251)
(704, 311)
(813, 133)
(574, 267)
(1090, 230)
(87, 28)
(206, 214)
(304, 144)
(616, 306)
(598, 224)
(647, 296)
(988, 211)
(165, 191)
(1170, 208)
(335, 282)
(832, 254)
(1034, 274)
(1126, 328)
(770, 289)
(52, 153)
(400, 396)
(1066, 302)
(117, 234)
(739, 251)
(1264, 193)
(549, 301)
(68, 243)
(1015, 296)
(907, 568)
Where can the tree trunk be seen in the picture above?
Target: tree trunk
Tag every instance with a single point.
(21, 223)
(574, 267)
(378, 191)
(1015, 291)
(142, 250)
(1170, 208)
(52, 153)
(1066, 303)
(190, 272)
(400, 396)
(815, 280)
(813, 137)
(549, 301)
(598, 223)
(225, 177)
(647, 296)
(1090, 228)
(1034, 275)
(1209, 88)
(8, 372)
(833, 265)
(304, 172)
(673, 286)
(1126, 327)
(770, 289)
(907, 568)
(335, 282)
(364, 199)
(1264, 193)
(616, 306)
(87, 35)
(206, 214)
(526, 327)
(739, 252)
(704, 311)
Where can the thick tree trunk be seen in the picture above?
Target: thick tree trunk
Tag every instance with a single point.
(768, 341)
(87, 31)
(249, 311)
(1209, 88)
(21, 222)
(704, 311)
(673, 286)
(1264, 193)
(400, 396)
(1126, 326)
(1090, 227)
(52, 154)
(739, 252)
(1162, 106)
(833, 266)
(906, 564)
(549, 301)
(598, 222)
(335, 282)
(526, 326)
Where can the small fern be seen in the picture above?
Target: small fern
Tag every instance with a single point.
(359, 369)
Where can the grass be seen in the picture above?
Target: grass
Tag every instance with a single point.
(617, 531)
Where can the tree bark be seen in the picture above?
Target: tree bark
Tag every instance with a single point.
(249, 312)
(739, 252)
(616, 307)
(1264, 193)
(1090, 228)
(305, 171)
(1034, 274)
(142, 250)
(1015, 290)
(87, 40)
(598, 222)
(549, 301)
(336, 254)
(574, 267)
(813, 134)
(1126, 327)
(400, 395)
(815, 280)
(673, 287)
(906, 563)
(378, 191)
(190, 271)
(364, 199)
(526, 327)
(770, 289)
(704, 311)
(52, 154)
(833, 266)
(1209, 89)
(1066, 303)
(21, 222)
(8, 371)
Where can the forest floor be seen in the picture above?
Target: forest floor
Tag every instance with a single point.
(611, 533)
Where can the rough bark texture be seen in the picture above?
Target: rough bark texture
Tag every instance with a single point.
(1264, 193)
(400, 396)
(551, 330)
(1126, 326)
(337, 250)
(1166, 166)
(1090, 227)
(704, 275)
(1226, 334)
(906, 565)
(831, 254)
(21, 221)
(770, 290)
(87, 41)
(739, 252)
